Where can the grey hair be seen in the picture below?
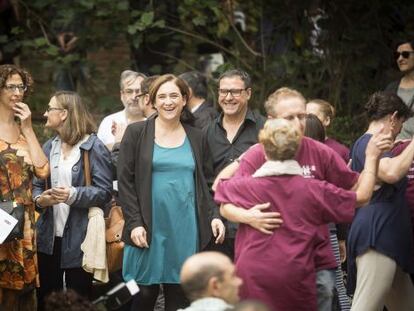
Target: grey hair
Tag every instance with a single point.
(129, 75)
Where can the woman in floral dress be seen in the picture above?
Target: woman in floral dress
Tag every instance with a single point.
(21, 158)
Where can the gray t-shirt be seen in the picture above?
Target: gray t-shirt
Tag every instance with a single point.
(407, 95)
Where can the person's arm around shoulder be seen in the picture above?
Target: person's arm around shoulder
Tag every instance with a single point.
(378, 144)
(391, 170)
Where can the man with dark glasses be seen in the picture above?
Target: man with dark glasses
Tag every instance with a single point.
(404, 55)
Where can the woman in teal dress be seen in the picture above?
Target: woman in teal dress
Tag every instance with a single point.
(163, 173)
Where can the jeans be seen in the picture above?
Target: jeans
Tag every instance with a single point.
(325, 283)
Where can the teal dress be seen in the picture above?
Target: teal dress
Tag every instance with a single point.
(174, 220)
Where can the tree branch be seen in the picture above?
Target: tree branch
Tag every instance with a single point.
(210, 42)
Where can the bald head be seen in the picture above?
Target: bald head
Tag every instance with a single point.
(203, 274)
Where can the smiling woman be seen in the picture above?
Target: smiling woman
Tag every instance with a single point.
(21, 157)
(163, 169)
(404, 56)
(64, 205)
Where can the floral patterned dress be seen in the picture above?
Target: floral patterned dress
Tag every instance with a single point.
(18, 259)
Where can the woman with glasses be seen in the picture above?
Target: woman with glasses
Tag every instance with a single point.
(163, 167)
(64, 199)
(21, 157)
(404, 87)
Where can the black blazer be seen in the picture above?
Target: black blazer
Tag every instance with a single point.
(135, 179)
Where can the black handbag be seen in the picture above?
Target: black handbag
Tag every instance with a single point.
(14, 209)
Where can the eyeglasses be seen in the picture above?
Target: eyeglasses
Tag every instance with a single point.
(133, 91)
(404, 54)
(233, 92)
(49, 109)
(16, 87)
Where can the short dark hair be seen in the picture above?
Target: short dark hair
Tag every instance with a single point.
(146, 83)
(6, 71)
(243, 75)
(381, 104)
(197, 83)
(68, 301)
(195, 286)
(314, 128)
(404, 41)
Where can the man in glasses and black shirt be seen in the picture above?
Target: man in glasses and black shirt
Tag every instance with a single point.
(232, 133)
(404, 87)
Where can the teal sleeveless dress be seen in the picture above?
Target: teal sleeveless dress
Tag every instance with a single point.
(174, 219)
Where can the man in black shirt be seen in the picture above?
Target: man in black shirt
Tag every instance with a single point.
(202, 110)
(232, 132)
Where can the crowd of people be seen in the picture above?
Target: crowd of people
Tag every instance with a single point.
(224, 209)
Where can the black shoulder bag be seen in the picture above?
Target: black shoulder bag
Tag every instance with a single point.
(14, 209)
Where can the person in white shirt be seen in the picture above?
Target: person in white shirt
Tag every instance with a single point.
(130, 85)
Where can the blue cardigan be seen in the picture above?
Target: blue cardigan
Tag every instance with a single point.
(99, 194)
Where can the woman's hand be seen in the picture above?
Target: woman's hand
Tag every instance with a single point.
(46, 199)
(22, 111)
(219, 230)
(139, 237)
(61, 194)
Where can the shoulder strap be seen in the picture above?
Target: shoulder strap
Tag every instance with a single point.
(86, 168)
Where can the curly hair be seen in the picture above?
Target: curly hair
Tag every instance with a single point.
(68, 301)
(6, 71)
(279, 139)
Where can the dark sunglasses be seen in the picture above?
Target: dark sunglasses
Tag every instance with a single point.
(404, 54)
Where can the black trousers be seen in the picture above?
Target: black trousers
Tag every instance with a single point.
(174, 297)
(51, 276)
(226, 248)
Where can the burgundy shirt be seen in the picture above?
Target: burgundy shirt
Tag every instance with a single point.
(320, 162)
(279, 269)
(409, 192)
(342, 150)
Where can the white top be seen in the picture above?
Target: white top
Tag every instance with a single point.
(104, 131)
(61, 210)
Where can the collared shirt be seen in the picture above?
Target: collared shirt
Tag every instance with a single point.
(222, 150)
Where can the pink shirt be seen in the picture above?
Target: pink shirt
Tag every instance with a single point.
(320, 162)
(279, 269)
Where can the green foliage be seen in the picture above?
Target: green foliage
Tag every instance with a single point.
(353, 56)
